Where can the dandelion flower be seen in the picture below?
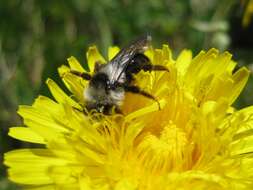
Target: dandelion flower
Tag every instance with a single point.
(197, 140)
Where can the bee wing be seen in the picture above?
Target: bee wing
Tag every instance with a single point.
(123, 58)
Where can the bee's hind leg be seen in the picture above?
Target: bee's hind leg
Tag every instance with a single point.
(85, 76)
(137, 90)
(142, 62)
(150, 67)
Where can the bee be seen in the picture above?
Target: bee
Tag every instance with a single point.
(109, 83)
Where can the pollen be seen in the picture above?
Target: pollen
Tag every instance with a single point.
(168, 152)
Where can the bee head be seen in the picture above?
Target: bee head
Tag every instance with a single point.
(100, 81)
(98, 89)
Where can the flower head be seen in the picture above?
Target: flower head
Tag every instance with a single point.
(196, 140)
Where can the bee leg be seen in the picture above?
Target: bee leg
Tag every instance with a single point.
(150, 67)
(98, 65)
(85, 76)
(118, 110)
(142, 62)
(110, 109)
(137, 90)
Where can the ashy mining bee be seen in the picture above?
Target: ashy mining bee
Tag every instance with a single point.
(109, 83)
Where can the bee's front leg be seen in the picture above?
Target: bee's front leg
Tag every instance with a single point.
(98, 66)
(85, 76)
(150, 67)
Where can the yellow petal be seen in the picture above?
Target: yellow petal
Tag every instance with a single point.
(75, 85)
(25, 162)
(227, 86)
(125, 184)
(158, 57)
(85, 183)
(30, 114)
(93, 56)
(75, 65)
(59, 95)
(240, 79)
(132, 132)
(242, 146)
(92, 154)
(183, 61)
(150, 53)
(25, 134)
(167, 54)
(46, 105)
(194, 70)
(62, 70)
(65, 174)
(112, 51)
(41, 123)
(246, 124)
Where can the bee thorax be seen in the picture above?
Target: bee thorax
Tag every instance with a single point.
(111, 72)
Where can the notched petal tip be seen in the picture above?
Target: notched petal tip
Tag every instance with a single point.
(63, 70)
(94, 56)
(75, 65)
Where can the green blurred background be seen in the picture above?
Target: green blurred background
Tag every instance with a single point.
(37, 36)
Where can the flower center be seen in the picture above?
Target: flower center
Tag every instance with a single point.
(171, 151)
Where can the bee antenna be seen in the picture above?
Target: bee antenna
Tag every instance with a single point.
(85, 76)
(149, 38)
